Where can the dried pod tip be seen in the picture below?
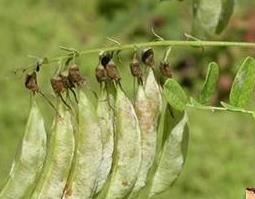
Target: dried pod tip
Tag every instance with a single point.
(105, 58)
(31, 82)
(66, 81)
(74, 76)
(135, 68)
(112, 71)
(57, 85)
(148, 57)
(165, 69)
(101, 73)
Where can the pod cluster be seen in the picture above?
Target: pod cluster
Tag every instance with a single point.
(116, 149)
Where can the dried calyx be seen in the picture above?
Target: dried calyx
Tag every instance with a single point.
(58, 85)
(31, 82)
(101, 74)
(112, 72)
(136, 71)
(75, 77)
(105, 58)
(148, 57)
(165, 69)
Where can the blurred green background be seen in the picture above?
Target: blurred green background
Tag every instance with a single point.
(220, 161)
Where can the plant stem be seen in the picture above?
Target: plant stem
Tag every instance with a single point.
(164, 43)
(213, 109)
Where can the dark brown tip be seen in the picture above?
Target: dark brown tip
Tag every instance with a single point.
(67, 83)
(148, 57)
(31, 82)
(112, 72)
(165, 69)
(105, 58)
(101, 73)
(57, 85)
(74, 76)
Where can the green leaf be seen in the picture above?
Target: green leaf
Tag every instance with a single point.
(211, 17)
(210, 83)
(226, 13)
(172, 157)
(243, 84)
(175, 95)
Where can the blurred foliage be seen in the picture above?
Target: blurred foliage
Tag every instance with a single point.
(220, 159)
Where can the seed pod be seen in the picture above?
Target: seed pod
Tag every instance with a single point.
(148, 57)
(101, 73)
(153, 93)
(59, 158)
(74, 76)
(127, 149)
(165, 69)
(29, 160)
(148, 108)
(112, 71)
(105, 113)
(172, 157)
(136, 71)
(88, 156)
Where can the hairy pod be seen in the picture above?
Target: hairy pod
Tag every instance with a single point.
(112, 71)
(127, 154)
(29, 160)
(82, 181)
(59, 158)
(148, 107)
(106, 119)
(153, 93)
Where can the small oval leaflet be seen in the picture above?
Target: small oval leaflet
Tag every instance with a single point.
(175, 95)
(172, 158)
(29, 160)
(210, 83)
(211, 17)
(243, 84)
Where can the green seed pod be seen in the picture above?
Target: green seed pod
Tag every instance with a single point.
(105, 113)
(29, 160)
(59, 158)
(127, 155)
(82, 181)
(147, 105)
(153, 93)
(172, 157)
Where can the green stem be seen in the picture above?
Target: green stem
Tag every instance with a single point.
(213, 109)
(163, 43)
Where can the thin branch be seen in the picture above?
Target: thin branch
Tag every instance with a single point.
(159, 44)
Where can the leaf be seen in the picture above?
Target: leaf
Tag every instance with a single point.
(243, 84)
(210, 83)
(226, 13)
(211, 17)
(172, 158)
(175, 95)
